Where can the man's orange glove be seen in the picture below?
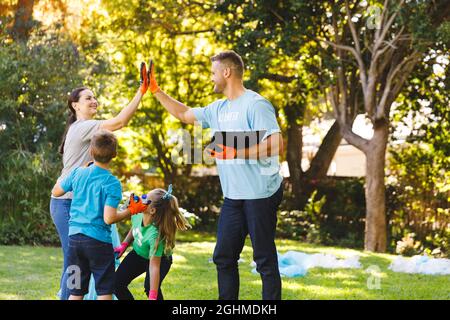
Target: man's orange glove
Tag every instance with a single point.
(136, 206)
(226, 153)
(154, 88)
(144, 78)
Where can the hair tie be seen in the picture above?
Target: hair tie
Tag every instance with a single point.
(168, 194)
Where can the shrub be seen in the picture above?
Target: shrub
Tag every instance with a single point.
(336, 218)
(418, 198)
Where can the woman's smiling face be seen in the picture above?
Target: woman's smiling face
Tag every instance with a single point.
(86, 107)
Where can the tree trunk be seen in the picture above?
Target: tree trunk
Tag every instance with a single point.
(303, 182)
(294, 155)
(375, 232)
(23, 20)
(322, 160)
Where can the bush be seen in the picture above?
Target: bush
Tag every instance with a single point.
(25, 198)
(34, 81)
(203, 197)
(418, 198)
(408, 247)
(336, 218)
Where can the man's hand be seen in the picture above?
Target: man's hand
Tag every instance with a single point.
(136, 206)
(227, 153)
(154, 88)
(144, 78)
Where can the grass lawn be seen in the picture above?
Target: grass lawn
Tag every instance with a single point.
(33, 273)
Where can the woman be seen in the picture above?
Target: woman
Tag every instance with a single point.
(74, 147)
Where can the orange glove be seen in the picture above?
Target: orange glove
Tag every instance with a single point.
(226, 153)
(154, 88)
(136, 206)
(144, 78)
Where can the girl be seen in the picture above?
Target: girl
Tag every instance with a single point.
(80, 128)
(153, 232)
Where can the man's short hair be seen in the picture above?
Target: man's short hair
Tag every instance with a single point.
(231, 59)
(104, 146)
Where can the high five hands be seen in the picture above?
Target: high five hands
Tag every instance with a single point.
(148, 78)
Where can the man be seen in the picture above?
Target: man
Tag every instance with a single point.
(249, 177)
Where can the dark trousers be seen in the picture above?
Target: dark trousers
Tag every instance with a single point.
(132, 267)
(237, 219)
(90, 256)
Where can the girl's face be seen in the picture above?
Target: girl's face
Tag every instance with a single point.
(86, 107)
(153, 197)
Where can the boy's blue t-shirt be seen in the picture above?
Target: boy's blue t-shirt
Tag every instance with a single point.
(244, 178)
(93, 189)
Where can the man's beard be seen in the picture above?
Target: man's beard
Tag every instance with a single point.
(218, 88)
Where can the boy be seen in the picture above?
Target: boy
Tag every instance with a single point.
(96, 196)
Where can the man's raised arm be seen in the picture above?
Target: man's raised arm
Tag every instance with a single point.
(175, 107)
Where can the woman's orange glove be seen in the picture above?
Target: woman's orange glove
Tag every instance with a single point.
(154, 88)
(144, 78)
(136, 206)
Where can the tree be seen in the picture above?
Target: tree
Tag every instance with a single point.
(385, 56)
(23, 20)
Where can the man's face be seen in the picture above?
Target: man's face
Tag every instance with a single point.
(217, 77)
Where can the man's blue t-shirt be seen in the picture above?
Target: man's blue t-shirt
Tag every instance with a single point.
(93, 189)
(244, 178)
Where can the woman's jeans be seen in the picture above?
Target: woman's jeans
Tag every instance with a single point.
(59, 210)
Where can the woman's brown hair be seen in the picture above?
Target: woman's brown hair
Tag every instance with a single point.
(73, 97)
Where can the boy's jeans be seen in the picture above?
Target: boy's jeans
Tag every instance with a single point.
(59, 210)
(237, 219)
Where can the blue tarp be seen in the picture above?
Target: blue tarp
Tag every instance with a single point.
(296, 264)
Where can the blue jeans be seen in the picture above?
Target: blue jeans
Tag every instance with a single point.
(59, 210)
(237, 219)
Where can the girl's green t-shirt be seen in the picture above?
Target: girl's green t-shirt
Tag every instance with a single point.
(145, 238)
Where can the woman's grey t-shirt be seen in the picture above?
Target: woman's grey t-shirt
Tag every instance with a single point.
(76, 147)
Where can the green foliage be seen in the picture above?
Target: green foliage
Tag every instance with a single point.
(337, 218)
(421, 198)
(408, 247)
(34, 81)
(25, 218)
(419, 181)
(203, 197)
